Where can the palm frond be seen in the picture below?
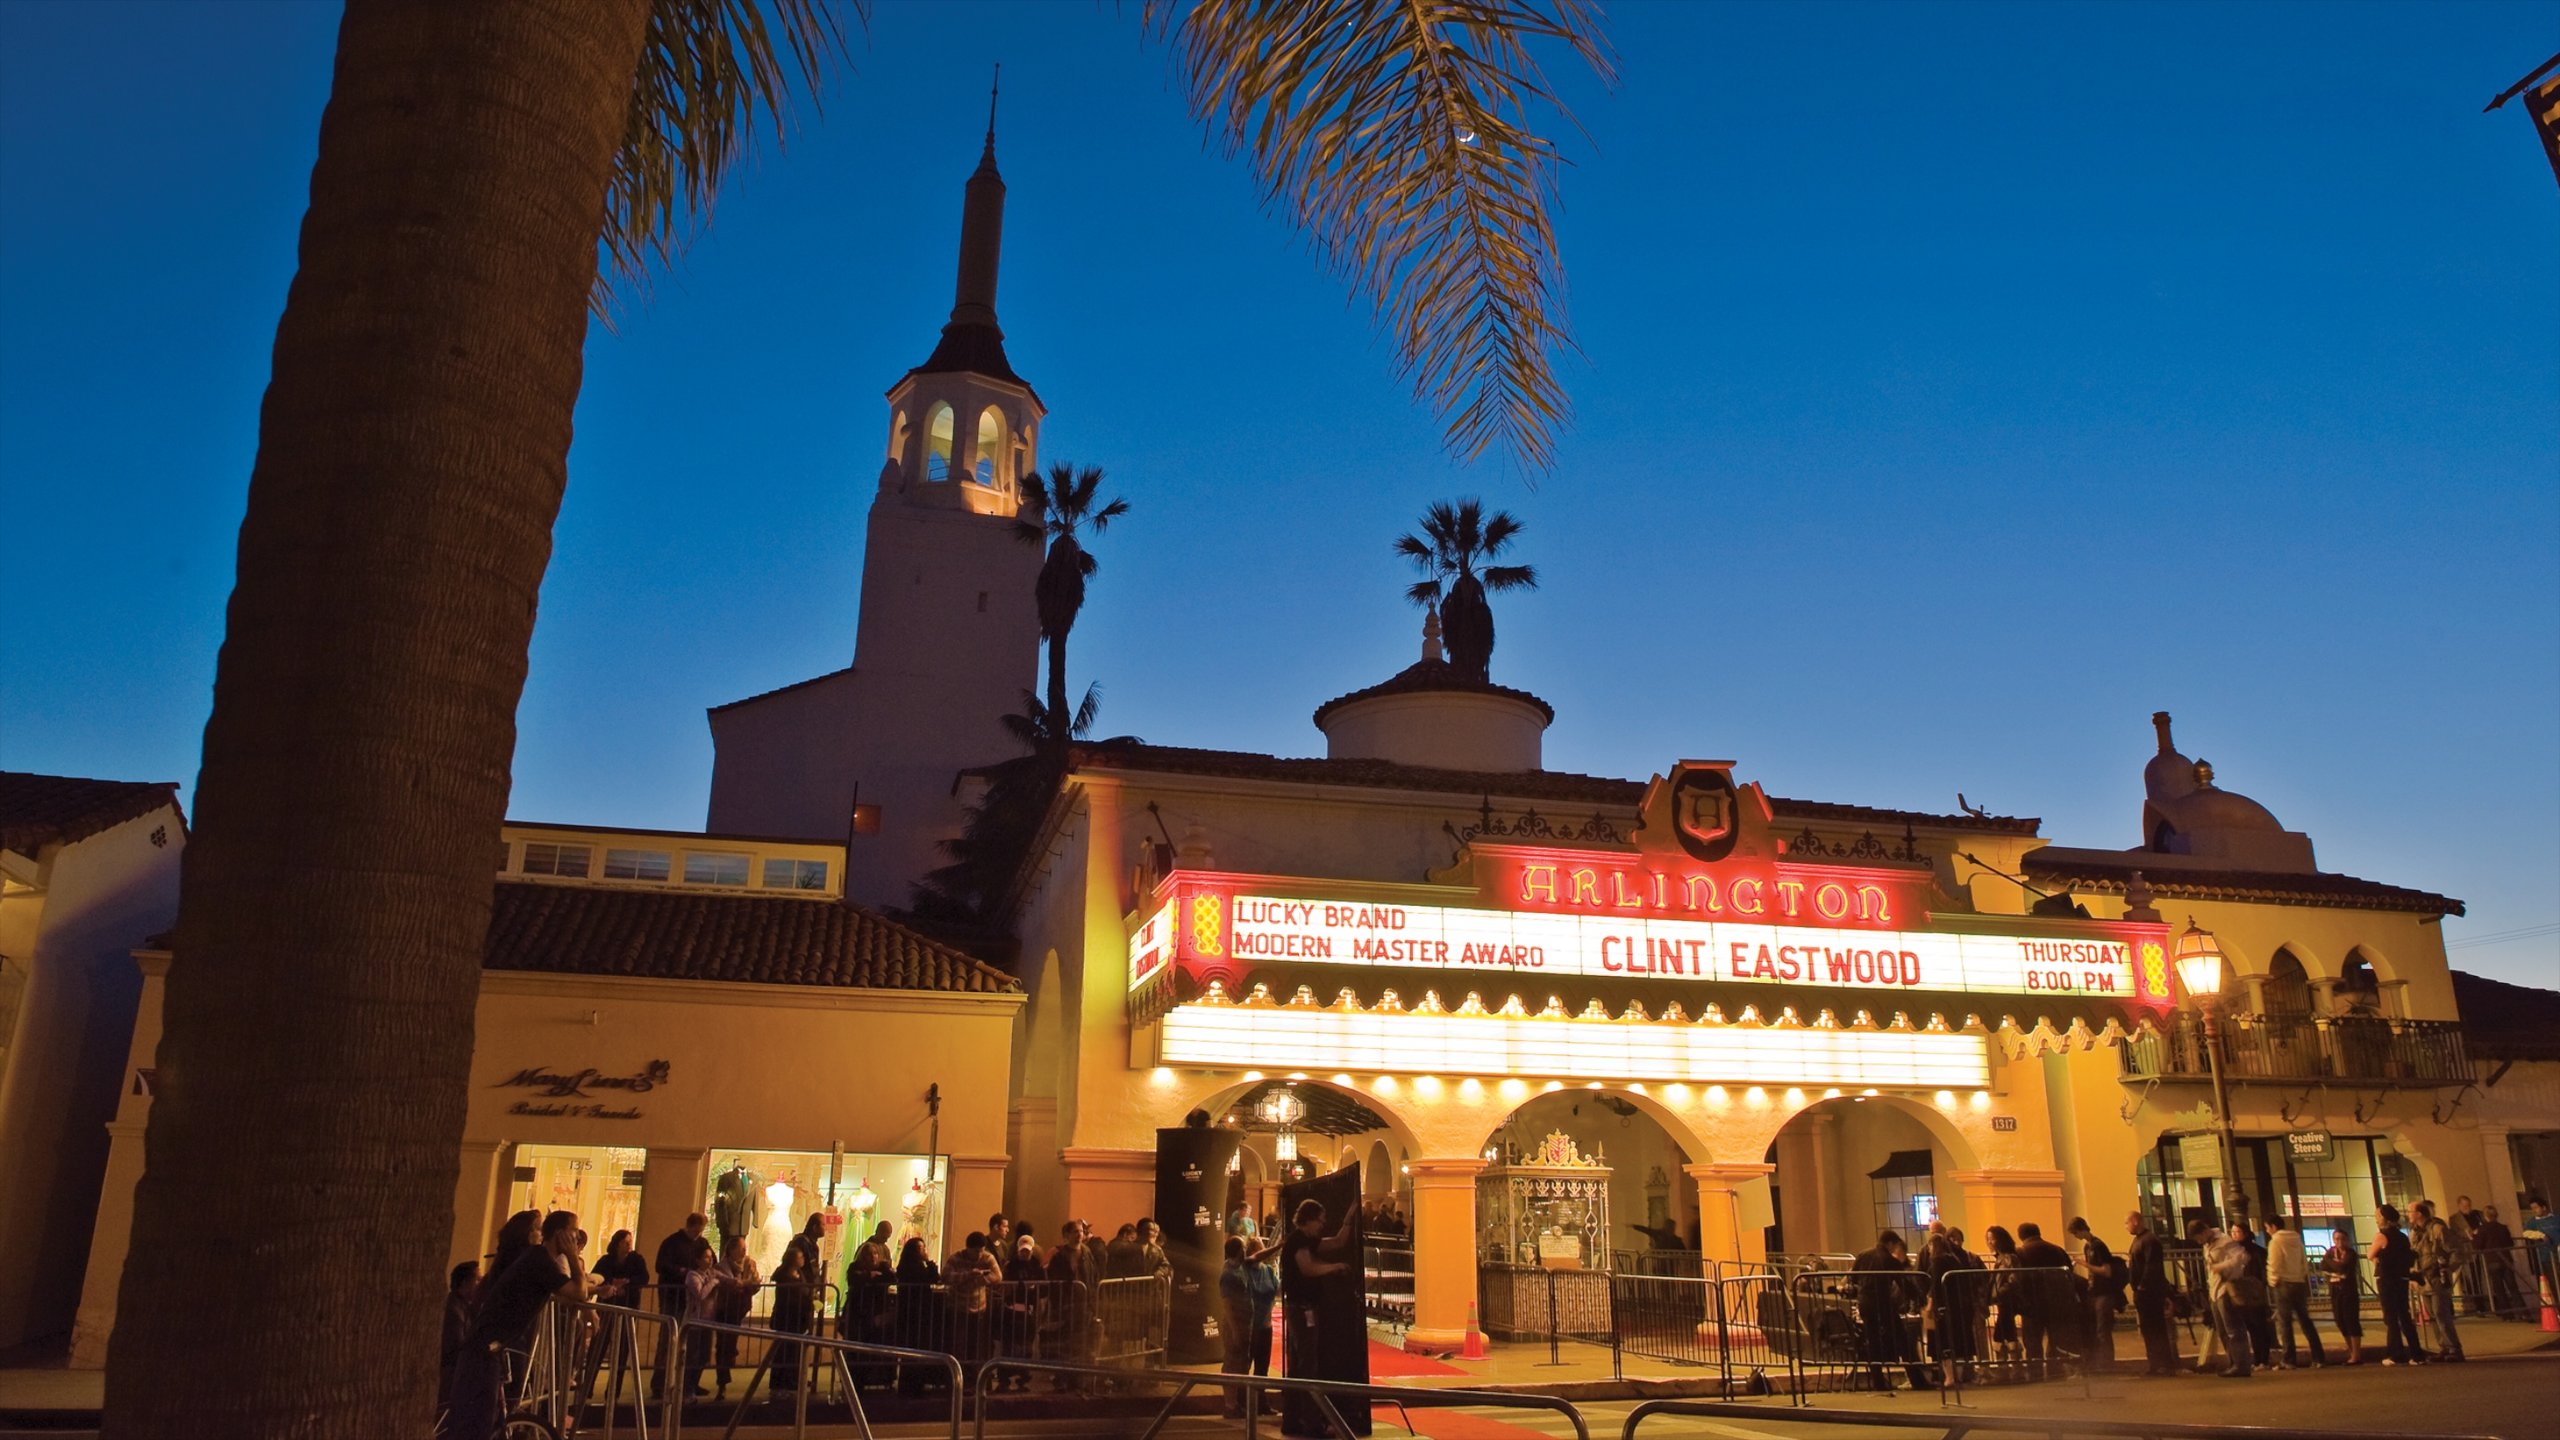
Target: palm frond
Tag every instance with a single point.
(708, 69)
(1510, 577)
(1422, 592)
(1402, 138)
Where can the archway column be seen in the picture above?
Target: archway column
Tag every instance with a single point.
(1444, 1251)
(1107, 1186)
(2009, 1197)
(1725, 1231)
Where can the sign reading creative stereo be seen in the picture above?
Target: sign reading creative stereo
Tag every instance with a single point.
(1706, 896)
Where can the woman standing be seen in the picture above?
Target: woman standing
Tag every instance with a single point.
(916, 1277)
(2391, 1257)
(2008, 1356)
(739, 1281)
(2345, 1275)
(794, 1305)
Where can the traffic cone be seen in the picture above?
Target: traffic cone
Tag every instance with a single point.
(1475, 1338)
(2550, 1317)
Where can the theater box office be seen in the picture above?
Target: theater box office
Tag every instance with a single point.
(654, 1039)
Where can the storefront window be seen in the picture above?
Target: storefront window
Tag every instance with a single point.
(600, 1184)
(769, 1195)
(2332, 1199)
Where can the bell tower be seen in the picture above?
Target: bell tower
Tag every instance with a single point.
(963, 427)
(947, 640)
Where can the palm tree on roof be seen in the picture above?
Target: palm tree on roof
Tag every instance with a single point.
(1456, 536)
(487, 172)
(1053, 511)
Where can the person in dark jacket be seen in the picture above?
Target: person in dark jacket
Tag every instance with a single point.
(460, 1289)
(511, 1305)
(624, 1274)
(522, 1232)
(2147, 1267)
(675, 1260)
(1957, 1303)
(794, 1308)
(1883, 1280)
(917, 1276)
(2048, 1300)
(2105, 1283)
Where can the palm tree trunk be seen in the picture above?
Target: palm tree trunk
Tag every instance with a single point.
(1061, 719)
(285, 1275)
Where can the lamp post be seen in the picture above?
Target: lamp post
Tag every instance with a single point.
(2199, 962)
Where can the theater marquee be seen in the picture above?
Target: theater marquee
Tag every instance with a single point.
(1656, 912)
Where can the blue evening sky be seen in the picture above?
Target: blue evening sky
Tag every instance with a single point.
(1960, 384)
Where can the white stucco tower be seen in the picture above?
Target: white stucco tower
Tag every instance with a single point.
(947, 640)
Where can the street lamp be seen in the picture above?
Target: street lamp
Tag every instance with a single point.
(2200, 965)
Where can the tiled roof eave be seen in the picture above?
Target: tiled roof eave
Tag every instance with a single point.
(2350, 893)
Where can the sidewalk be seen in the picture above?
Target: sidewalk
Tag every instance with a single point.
(1585, 1371)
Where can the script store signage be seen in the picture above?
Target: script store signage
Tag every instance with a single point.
(587, 1094)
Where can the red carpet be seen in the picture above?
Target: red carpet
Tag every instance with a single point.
(1385, 1362)
(1388, 1363)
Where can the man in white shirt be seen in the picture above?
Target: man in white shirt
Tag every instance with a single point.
(2289, 1276)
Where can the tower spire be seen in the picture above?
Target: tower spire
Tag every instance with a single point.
(989, 158)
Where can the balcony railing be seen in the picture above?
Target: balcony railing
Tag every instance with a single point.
(2366, 1050)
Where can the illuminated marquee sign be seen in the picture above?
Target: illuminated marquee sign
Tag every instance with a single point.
(1228, 1035)
(1268, 928)
(1703, 894)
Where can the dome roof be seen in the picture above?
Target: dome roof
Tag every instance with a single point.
(2220, 809)
(1433, 676)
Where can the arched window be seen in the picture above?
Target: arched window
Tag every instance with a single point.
(937, 444)
(990, 445)
(2359, 989)
(2288, 989)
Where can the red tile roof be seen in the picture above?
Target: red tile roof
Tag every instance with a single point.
(1539, 785)
(41, 810)
(693, 935)
(1424, 677)
(2506, 1022)
(2172, 877)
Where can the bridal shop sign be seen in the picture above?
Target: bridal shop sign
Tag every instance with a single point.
(587, 1094)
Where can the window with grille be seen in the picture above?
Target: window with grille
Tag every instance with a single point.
(544, 858)
(795, 874)
(636, 864)
(715, 869)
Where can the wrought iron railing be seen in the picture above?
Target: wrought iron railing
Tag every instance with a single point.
(2361, 1048)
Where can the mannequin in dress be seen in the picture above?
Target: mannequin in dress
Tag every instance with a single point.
(775, 1230)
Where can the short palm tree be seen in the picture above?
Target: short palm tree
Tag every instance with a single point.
(1455, 537)
(1054, 512)
(477, 160)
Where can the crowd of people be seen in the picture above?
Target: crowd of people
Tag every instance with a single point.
(2026, 1304)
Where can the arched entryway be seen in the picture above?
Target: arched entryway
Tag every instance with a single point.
(1852, 1166)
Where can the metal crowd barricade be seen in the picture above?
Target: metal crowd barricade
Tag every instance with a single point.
(1851, 1330)
(1387, 1282)
(2009, 1326)
(1974, 1422)
(974, 1321)
(2501, 1282)
(1133, 1314)
(805, 1350)
(1690, 1320)
(1254, 1387)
